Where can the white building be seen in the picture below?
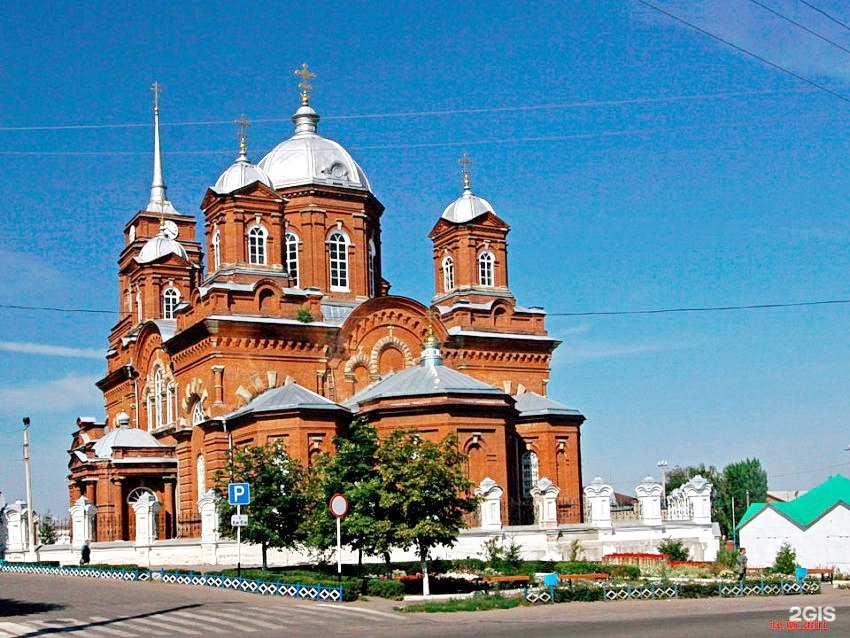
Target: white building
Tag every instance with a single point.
(816, 525)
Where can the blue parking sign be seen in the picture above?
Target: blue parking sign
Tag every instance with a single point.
(238, 493)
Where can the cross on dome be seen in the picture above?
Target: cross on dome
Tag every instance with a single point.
(243, 135)
(305, 74)
(466, 163)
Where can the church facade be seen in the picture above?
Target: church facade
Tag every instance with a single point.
(288, 332)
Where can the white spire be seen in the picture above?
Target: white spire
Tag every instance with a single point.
(159, 202)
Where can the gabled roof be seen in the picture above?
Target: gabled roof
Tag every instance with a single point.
(287, 397)
(422, 380)
(806, 509)
(533, 404)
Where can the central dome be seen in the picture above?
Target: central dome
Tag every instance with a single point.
(309, 158)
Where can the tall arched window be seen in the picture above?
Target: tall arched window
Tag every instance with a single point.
(486, 260)
(291, 257)
(170, 299)
(170, 402)
(448, 273)
(530, 472)
(373, 255)
(338, 255)
(149, 403)
(198, 415)
(158, 397)
(257, 237)
(216, 249)
(138, 305)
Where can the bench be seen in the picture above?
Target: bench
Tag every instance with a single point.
(824, 573)
(519, 579)
(593, 576)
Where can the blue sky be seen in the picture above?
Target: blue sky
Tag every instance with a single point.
(641, 164)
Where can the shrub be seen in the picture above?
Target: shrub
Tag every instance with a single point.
(385, 588)
(303, 315)
(698, 590)
(786, 560)
(674, 549)
(578, 594)
(725, 559)
(477, 603)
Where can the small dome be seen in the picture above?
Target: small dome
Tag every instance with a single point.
(123, 419)
(239, 174)
(123, 437)
(466, 208)
(159, 246)
(307, 158)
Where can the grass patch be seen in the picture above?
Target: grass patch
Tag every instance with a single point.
(477, 603)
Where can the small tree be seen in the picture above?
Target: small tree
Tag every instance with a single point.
(674, 549)
(277, 496)
(786, 559)
(47, 529)
(426, 492)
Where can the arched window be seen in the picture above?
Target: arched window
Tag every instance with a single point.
(338, 255)
(485, 268)
(170, 299)
(291, 257)
(170, 402)
(448, 273)
(149, 402)
(201, 469)
(530, 472)
(158, 397)
(138, 305)
(198, 415)
(373, 255)
(216, 249)
(257, 237)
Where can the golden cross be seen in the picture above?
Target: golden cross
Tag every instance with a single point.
(243, 135)
(466, 163)
(157, 89)
(305, 74)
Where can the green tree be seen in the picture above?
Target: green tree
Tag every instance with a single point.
(352, 471)
(674, 549)
(277, 496)
(47, 529)
(678, 476)
(742, 482)
(426, 492)
(786, 560)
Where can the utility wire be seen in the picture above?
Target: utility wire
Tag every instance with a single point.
(825, 14)
(432, 113)
(800, 26)
(597, 313)
(758, 57)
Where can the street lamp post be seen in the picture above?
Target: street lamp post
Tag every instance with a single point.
(662, 465)
(30, 509)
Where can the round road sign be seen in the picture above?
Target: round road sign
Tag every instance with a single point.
(338, 505)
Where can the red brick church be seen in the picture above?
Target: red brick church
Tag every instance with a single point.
(287, 331)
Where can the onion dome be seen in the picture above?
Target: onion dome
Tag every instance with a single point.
(431, 349)
(468, 206)
(309, 158)
(240, 173)
(162, 244)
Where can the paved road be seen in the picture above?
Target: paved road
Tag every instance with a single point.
(32, 605)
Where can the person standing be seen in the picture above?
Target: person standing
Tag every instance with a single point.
(85, 554)
(741, 563)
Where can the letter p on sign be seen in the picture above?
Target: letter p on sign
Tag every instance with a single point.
(239, 493)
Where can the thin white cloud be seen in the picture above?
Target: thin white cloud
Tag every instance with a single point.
(589, 351)
(68, 393)
(52, 351)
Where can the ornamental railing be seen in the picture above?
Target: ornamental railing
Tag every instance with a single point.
(325, 593)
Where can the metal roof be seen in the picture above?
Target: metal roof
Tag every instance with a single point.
(286, 397)
(806, 509)
(533, 404)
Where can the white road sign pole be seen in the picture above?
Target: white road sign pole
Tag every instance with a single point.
(338, 549)
(339, 507)
(239, 545)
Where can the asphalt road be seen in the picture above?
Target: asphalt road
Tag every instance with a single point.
(33, 605)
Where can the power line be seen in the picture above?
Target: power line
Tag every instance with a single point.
(799, 25)
(596, 313)
(430, 113)
(764, 60)
(699, 309)
(825, 14)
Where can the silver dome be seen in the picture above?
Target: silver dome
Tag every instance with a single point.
(307, 158)
(466, 207)
(239, 174)
(159, 246)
